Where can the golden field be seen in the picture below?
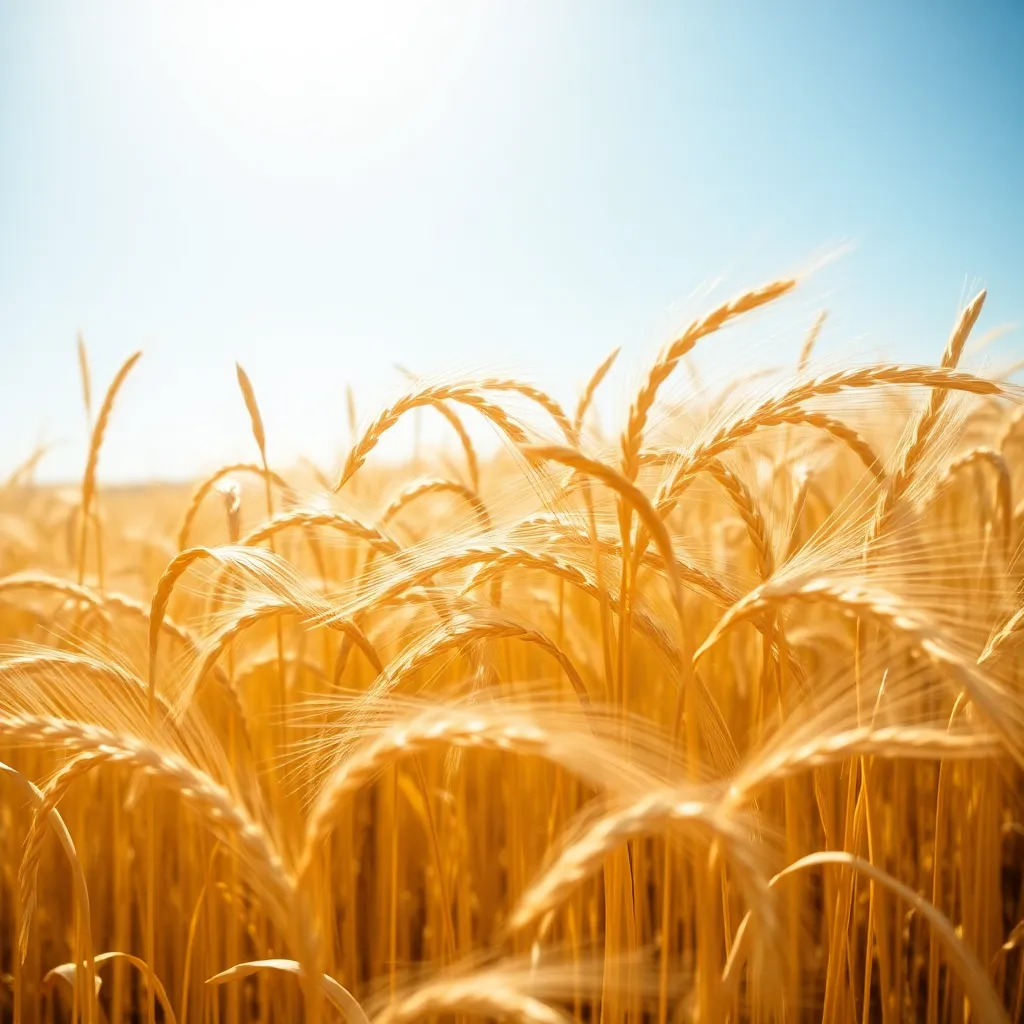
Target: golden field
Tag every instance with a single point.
(714, 716)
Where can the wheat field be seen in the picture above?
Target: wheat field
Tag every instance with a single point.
(715, 715)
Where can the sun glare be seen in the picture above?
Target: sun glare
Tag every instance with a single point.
(316, 73)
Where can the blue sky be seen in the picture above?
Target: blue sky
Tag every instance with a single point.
(474, 186)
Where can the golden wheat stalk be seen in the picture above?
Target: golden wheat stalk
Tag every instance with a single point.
(590, 389)
(633, 435)
(985, 691)
(925, 423)
(421, 488)
(307, 519)
(99, 431)
(485, 725)
(687, 810)
(983, 999)
(34, 797)
(207, 485)
(468, 395)
(810, 341)
(784, 409)
(214, 804)
(1004, 483)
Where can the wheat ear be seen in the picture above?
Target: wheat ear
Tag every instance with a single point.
(469, 395)
(1005, 639)
(481, 726)
(616, 481)
(214, 804)
(80, 888)
(311, 518)
(78, 592)
(252, 407)
(51, 796)
(158, 606)
(420, 488)
(698, 818)
(784, 409)
(886, 609)
(200, 493)
(540, 398)
(925, 423)
(85, 377)
(1004, 483)
(459, 634)
(266, 609)
(890, 742)
(587, 395)
(842, 432)
(810, 341)
(749, 511)
(95, 444)
(633, 435)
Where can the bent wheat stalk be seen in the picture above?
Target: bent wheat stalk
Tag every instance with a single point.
(215, 805)
(468, 395)
(200, 493)
(633, 435)
(984, 1000)
(51, 817)
(485, 726)
(421, 488)
(998, 705)
(690, 810)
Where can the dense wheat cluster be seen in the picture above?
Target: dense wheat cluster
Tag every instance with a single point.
(717, 716)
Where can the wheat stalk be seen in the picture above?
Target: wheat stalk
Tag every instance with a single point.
(99, 431)
(200, 493)
(697, 818)
(587, 395)
(214, 804)
(783, 409)
(421, 488)
(468, 395)
(312, 518)
(633, 435)
(809, 342)
(885, 608)
(926, 422)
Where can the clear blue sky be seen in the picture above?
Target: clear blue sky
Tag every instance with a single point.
(473, 185)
